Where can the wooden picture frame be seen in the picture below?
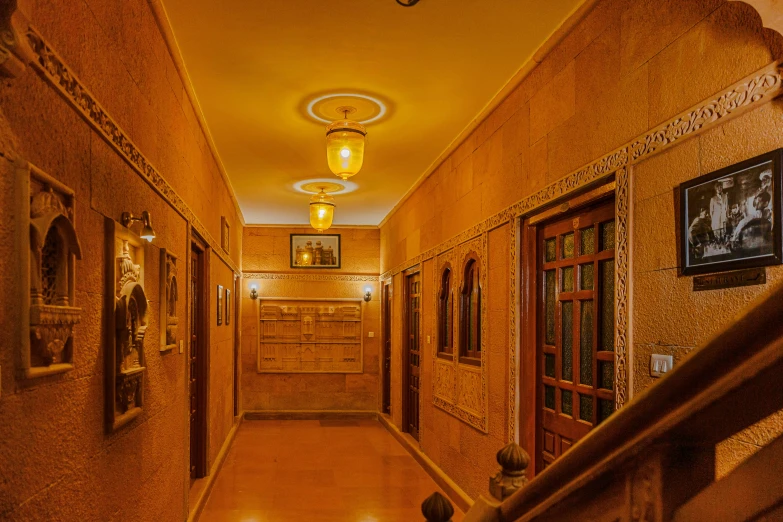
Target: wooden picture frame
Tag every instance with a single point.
(319, 251)
(228, 306)
(225, 235)
(731, 218)
(219, 305)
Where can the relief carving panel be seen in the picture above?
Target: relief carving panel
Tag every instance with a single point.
(125, 365)
(169, 295)
(48, 248)
(310, 336)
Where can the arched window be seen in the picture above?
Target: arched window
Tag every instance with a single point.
(470, 312)
(445, 314)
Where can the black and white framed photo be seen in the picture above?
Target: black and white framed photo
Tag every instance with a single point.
(219, 304)
(315, 251)
(730, 218)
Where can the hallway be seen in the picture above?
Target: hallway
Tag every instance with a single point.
(341, 470)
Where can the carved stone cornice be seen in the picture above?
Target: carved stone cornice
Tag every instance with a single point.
(311, 277)
(51, 67)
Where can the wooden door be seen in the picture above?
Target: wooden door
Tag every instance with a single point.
(575, 347)
(413, 354)
(197, 362)
(387, 307)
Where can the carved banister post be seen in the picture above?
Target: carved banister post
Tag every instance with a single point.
(437, 508)
(513, 462)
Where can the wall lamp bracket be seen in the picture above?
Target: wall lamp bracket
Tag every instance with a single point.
(147, 232)
(367, 296)
(253, 292)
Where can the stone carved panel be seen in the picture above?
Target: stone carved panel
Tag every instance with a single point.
(169, 295)
(310, 336)
(461, 389)
(48, 248)
(128, 318)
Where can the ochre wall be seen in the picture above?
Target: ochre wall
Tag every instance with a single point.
(266, 251)
(627, 67)
(56, 461)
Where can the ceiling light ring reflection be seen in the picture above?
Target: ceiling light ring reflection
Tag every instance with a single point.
(348, 186)
(382, 110)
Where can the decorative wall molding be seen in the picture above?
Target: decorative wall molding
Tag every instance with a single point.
(310, 336)
(310, 277)
(127, 318)
(513, 327)
(48, 246)
(53, 69)
(461, 389)
(746, 95)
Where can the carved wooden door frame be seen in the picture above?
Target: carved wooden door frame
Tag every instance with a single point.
(406, 349)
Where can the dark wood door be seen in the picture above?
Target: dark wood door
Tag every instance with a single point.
(575, 348)
(387, 306)
(413, 354)
(197, 363)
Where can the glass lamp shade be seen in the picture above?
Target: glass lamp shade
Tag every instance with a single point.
(321, 211)
(345, 147)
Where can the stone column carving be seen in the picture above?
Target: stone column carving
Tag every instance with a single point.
(128, 321)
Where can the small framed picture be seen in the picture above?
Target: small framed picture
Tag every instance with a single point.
(228, 306)
(225, 236)
(219, 304)
(315, 251)
(730, 218)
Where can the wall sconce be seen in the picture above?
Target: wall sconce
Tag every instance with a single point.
(253, 292)
(146, 230)
(367, 294)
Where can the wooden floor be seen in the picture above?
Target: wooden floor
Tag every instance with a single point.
(346, 471)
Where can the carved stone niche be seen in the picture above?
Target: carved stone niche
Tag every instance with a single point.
(48, 247)
(169, 295)
(127, 313)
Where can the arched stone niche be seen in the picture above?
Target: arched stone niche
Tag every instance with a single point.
(49, 248)
(128, 319)
(169, 295)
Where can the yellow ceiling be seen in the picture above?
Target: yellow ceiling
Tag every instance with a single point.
(255, 65)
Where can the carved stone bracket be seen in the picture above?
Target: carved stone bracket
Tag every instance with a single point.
(48, 248)
(15, 52)
(128, 317)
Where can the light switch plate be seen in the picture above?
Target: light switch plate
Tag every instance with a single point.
(660, 364)
(181, 346)
(370, 334)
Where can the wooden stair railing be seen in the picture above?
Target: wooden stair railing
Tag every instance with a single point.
(654, 460)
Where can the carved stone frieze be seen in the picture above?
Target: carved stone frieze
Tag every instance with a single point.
(125, 363)
(309, 277)
(48, 248)
(54, 70)
(169, 295)
(622, 285)
(312, 336)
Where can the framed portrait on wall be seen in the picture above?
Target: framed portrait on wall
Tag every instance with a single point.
(228, 306)
(731, 218)
(315, 251)
(219, 304)
(225, 236)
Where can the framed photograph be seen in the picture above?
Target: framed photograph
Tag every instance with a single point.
(219, 304)
(315, 251)
(225, 236)
(730, 218)
(228, 306)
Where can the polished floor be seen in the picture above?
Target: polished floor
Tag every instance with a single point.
(346, 471)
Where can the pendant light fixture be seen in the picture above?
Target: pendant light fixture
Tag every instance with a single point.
(321, 211)
(345, 145)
